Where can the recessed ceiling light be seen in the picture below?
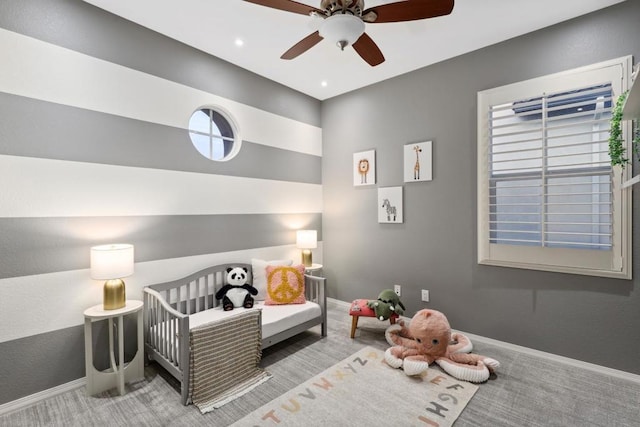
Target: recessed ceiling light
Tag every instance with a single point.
(239, 42)
(324, 83)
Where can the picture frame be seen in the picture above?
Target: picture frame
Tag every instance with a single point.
(418, 162)
(364, 168)
(390, 205)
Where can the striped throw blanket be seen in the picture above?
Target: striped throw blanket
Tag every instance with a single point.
(224, 360)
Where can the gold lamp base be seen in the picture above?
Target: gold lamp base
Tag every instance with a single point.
(306, 258)
(113, 294)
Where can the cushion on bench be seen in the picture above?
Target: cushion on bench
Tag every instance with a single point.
(275, 318)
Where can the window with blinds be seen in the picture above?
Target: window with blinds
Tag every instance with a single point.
(548, 197)
(550, 172)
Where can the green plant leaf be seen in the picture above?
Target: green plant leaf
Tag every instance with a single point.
(616, 142)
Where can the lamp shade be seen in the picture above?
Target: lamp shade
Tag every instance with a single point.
(344, 28)
(307, 239)
(111, 261)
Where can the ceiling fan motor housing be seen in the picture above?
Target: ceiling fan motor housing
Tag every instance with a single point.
(332, 7)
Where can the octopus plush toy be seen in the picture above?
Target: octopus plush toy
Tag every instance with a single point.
(429, 339)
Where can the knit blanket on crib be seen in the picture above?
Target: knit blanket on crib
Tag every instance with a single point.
(224, 360)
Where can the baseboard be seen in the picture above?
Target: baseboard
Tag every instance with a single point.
(550, 356)
(339, 303)
(557, 358)
(32, 399)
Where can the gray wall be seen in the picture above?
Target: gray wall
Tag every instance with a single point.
(69, 150)
(581, 317)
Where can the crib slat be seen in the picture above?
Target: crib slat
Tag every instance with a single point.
(163, 341)
(171, 341)
(154, 316)
(198, 295)
(154, 322)
(206, 292)
(216, 286)
(185, 298)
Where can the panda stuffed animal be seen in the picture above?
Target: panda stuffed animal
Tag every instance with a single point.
(237, 292)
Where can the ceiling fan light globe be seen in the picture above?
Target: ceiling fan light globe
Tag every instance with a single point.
(342, 29)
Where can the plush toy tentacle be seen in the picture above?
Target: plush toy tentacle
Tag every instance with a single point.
(391, 359)
(461, 344)
(474, 359)
(473, 373)
(398, 334)
(392, 334)
(415, 365)
(492, 364)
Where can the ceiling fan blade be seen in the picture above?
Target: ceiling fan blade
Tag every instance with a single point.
(302, 46)
(409, 10)
(288, 6)
(368, 50)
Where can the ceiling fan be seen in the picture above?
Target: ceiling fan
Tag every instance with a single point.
(344, 22)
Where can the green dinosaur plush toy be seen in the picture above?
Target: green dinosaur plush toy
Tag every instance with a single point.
(386, 304)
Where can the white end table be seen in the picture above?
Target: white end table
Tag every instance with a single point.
(314, 269)
(119, 373)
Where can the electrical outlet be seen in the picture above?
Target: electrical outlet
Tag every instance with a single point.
(425, 295)
(397, 290)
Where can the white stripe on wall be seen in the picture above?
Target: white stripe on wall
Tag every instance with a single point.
(40, 70)
(34, 187)
(43, 303)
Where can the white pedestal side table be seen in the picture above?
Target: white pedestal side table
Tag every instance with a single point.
(314, 270)
(119, 373)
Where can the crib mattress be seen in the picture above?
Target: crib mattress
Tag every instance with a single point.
(275, 318)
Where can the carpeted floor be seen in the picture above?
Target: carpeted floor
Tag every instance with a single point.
(527, 391)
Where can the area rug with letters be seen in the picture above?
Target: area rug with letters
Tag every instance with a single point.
(362, 390)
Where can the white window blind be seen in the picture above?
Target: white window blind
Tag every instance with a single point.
(550, 182)
(548, 197)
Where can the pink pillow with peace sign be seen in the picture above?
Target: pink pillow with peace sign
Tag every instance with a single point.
(285, 285)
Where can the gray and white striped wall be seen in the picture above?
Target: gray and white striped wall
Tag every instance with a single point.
(94, 149)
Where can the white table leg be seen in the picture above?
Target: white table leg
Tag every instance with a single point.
(120, 355)
(140, 353)
(112, 354)
(88, 355)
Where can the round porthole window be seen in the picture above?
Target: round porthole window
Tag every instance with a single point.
(214, 134)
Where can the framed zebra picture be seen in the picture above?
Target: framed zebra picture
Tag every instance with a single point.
(364, 168)
(418, 163)
(390, 205)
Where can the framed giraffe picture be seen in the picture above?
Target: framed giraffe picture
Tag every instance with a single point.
(390, 205)
(364, 168)
(418, 163)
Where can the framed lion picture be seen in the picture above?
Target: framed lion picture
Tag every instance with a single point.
(364, 168)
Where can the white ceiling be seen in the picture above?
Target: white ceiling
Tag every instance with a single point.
(214, 25)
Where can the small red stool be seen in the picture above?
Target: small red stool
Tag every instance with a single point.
(360, 308)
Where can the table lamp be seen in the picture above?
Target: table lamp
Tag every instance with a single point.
(112, 263)
(306, 240)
